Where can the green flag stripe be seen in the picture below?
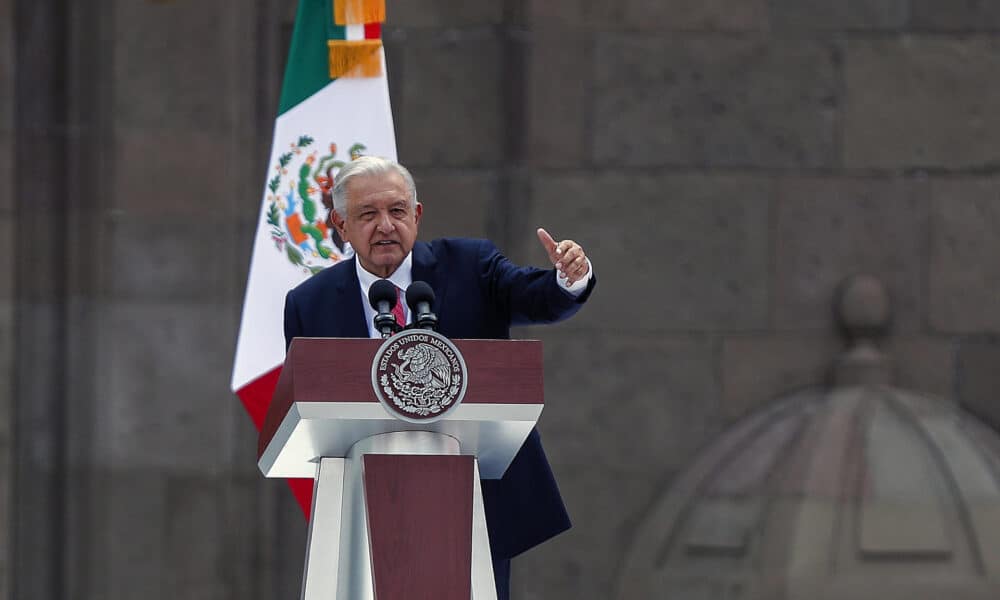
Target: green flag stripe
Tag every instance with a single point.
(308, 67)
(336, 32)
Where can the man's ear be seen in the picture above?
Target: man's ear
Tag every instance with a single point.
(337, 221)
(419, 210)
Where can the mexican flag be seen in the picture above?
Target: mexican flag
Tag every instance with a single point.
(334, 107)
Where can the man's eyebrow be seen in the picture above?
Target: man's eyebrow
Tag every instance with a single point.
(405, 202)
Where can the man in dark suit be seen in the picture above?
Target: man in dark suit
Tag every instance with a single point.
(478, 294)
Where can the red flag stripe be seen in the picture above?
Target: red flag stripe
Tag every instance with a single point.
(256, 397)
(302, 489)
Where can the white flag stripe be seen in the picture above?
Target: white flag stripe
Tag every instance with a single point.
(354, 32)
(345, 112)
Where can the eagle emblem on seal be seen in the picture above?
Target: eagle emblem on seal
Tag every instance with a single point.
(422, 365)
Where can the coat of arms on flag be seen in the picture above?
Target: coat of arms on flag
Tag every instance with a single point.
(299, 224)
(334, 106)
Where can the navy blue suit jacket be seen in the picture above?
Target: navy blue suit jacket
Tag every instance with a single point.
(479, 294)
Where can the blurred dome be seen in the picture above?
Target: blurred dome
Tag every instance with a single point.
(855, 492)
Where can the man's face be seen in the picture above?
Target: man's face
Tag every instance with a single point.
(380, 223)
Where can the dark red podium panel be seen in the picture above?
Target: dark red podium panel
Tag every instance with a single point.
(420, 525)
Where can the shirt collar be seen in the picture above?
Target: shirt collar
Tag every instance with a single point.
(402, 277)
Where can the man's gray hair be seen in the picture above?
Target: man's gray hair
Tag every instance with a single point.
(368, 165)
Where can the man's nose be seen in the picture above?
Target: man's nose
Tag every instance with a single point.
(385, 223)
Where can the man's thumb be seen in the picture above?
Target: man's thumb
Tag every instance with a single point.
(547, 242)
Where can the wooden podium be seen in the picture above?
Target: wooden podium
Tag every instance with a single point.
(397, 506)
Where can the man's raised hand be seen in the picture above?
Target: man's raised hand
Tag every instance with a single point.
(567, 256)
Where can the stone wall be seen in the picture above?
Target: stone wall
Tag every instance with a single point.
(7, 300)
(136, 128)
(726, 163)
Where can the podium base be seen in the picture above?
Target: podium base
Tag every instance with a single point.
(402, 515)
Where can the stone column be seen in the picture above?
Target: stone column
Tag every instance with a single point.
(41, 176)
(6, 283)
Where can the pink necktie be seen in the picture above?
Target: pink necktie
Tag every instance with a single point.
(397, 310)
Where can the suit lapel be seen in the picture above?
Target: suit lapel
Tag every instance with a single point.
(350, 314)
(426, 268)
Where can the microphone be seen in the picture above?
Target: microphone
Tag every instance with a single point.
(419, 297)
(382, 297)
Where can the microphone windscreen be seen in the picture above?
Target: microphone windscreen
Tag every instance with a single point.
(418, 292)
(382, 290)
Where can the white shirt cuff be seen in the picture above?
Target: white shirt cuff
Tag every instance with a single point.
(578, 286)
